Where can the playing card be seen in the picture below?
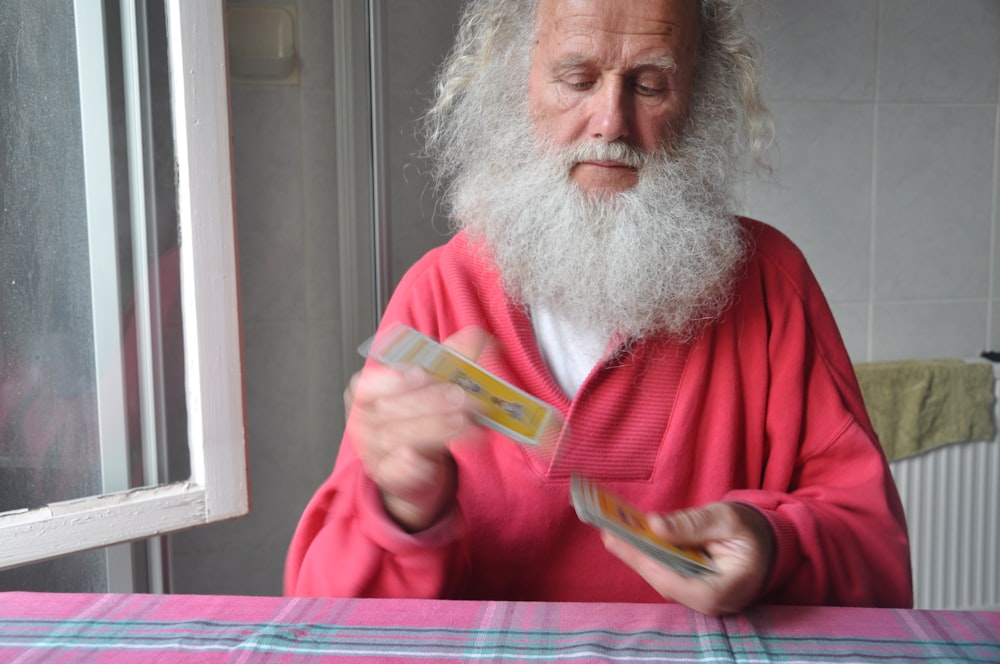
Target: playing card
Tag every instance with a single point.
(599, 507)
(503, 407)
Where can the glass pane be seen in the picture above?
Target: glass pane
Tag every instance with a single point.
(55, 444)
(77, 573)
(47, 439)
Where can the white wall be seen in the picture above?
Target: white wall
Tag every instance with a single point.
(887, 127)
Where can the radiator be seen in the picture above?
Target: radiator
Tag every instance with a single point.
(951, 496)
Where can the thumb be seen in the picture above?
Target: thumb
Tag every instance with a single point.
(694, 526)
(469, 341)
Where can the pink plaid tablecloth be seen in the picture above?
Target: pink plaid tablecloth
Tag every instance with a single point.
(44, 627)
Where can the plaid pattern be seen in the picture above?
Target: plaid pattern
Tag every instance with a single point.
(43, 627)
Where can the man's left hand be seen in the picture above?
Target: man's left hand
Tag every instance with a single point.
(736, 536)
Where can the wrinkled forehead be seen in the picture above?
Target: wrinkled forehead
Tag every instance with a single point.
(674, 21)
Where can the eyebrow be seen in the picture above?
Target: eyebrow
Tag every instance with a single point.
(664, 63)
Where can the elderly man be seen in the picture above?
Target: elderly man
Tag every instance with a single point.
(589, 150)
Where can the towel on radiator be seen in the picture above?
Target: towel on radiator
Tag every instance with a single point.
(917, 405)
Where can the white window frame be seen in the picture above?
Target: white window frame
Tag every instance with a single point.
(218, 488)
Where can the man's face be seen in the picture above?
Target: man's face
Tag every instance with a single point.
(612, 71)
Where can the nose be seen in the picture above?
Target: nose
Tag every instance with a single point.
(610, 112)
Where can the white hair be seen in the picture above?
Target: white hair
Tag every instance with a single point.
(491, 59)
(660, 257)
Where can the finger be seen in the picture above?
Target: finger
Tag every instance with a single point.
(734, 534)
(384, 394)
(696, 526)
(419, 394)
(351, 391)
(469, 341)
(396, 393)
(427, 434)
(419, 421)
(375, 381)
(711, 594)
(422, 492)
(664, 580)
(407, 473)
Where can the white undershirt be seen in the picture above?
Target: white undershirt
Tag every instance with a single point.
(569, 350)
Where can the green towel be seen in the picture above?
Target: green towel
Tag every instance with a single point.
(917, 405)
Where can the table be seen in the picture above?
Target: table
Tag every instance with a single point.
(45, 627)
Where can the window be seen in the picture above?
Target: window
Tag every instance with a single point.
(89, 273)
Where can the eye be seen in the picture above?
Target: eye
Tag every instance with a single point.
(651, 81)
(578, 83)
(648, 91)
(650, 86)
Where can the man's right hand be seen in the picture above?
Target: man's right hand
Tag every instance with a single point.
(401, 423)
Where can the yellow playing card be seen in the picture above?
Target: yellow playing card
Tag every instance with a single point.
(503, 407)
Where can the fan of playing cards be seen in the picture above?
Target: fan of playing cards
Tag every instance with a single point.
(504, 408)
(598, 507)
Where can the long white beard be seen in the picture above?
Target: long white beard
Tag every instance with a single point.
(659, 258)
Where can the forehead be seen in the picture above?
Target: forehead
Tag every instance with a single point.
(618, 28)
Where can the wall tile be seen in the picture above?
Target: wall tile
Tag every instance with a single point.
(269, 213)
(995, 290)
(320, 190)
(939, 51)
(928, 330)
(821, 194)
(934, 201)
(817, 49)
(316, 43)
(325, 381)
(852, 320)
(994, 335)
(208, 569)
(276, 365)
(277, 394)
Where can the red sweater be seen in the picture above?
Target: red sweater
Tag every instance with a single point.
(763, 408)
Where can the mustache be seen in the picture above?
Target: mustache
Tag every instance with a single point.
(619, 151)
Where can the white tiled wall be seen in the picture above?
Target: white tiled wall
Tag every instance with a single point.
(886, 175)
